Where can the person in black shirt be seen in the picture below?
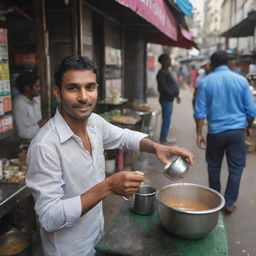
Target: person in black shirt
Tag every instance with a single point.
(168, 90)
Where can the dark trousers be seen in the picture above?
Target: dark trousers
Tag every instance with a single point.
(232, 143)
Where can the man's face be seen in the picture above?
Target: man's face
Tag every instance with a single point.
(167, 62)
(35, 89)
(78, 95)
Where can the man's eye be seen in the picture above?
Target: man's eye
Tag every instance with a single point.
(91, 87)
(72, 88)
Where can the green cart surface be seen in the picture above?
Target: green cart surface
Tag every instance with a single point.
(135, 235)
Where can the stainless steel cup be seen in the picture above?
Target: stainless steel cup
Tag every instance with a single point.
(143, 202)
(176, 168)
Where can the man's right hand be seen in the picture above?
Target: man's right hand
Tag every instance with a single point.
(124, 182)
(200, 141)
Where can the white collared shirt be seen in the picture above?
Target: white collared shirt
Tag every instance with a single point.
(60, 169)
(27, 113)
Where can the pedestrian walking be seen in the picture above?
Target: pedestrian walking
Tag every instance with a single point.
(225, 100)
(180, 75)
(193, 76)
(169, 90)
(202, 73)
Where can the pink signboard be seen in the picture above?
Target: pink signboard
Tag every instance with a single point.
(155, 12)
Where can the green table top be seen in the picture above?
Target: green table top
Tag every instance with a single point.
(135, 235)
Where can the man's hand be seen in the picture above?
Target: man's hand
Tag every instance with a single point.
(165, 153)
(178, 100)
(249, 132)
(200, 141)
(124, 182)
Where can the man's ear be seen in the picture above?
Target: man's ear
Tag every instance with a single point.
(56, 92)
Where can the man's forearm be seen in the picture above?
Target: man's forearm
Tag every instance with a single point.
(250, 123)
(199, 126)
(147, 145)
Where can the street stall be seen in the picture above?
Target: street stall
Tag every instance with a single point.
(18, 53)
(251, 141)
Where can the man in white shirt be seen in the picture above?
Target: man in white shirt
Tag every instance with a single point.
(66, 166)
(27, 106)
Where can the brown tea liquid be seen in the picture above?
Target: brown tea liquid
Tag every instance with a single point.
(186, 205)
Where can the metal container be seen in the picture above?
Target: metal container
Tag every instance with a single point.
(176, 168)
(15, 243)
(184, 223)
(143, 201)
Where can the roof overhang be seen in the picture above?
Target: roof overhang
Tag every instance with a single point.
(147, 20)
(184, 39)
(244, 28)
(155, 12)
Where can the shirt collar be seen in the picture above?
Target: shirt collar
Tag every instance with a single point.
(27, 100)
(64, 131)
(221, 68)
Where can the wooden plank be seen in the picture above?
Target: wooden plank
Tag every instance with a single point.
(75, 26)
(43, 57)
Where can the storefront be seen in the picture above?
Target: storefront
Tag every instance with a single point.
(35, 35)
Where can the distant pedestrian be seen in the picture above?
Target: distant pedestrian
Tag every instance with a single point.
(193, 76)
(202, 73)
(180, 75)
(225, 100)
(168, 90)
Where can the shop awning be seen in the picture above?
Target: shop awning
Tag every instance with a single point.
(155, 12)
(184, 39)
(244, 28)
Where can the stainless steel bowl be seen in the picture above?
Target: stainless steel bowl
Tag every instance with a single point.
(186, 223)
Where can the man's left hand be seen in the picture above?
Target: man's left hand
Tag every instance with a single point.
(178, 100)
(165, 153)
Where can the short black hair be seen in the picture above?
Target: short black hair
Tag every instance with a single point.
(72, 63)
(163, 57)
(219, 58)
(26, 78)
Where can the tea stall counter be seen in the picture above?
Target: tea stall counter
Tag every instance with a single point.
(10, 195)
(104, 105)
(136, 235)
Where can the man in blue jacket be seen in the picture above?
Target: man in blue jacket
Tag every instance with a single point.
(225, 100)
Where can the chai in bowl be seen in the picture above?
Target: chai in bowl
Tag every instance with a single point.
(187, 205)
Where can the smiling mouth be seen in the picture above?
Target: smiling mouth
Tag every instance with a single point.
(83, 106)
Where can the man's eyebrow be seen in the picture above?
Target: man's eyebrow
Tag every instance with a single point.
(71, 85)
(91, 83)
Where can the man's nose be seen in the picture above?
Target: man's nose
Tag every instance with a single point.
(83, 96)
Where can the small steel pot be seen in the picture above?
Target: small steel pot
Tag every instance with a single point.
(176, 168)
(143, 202)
